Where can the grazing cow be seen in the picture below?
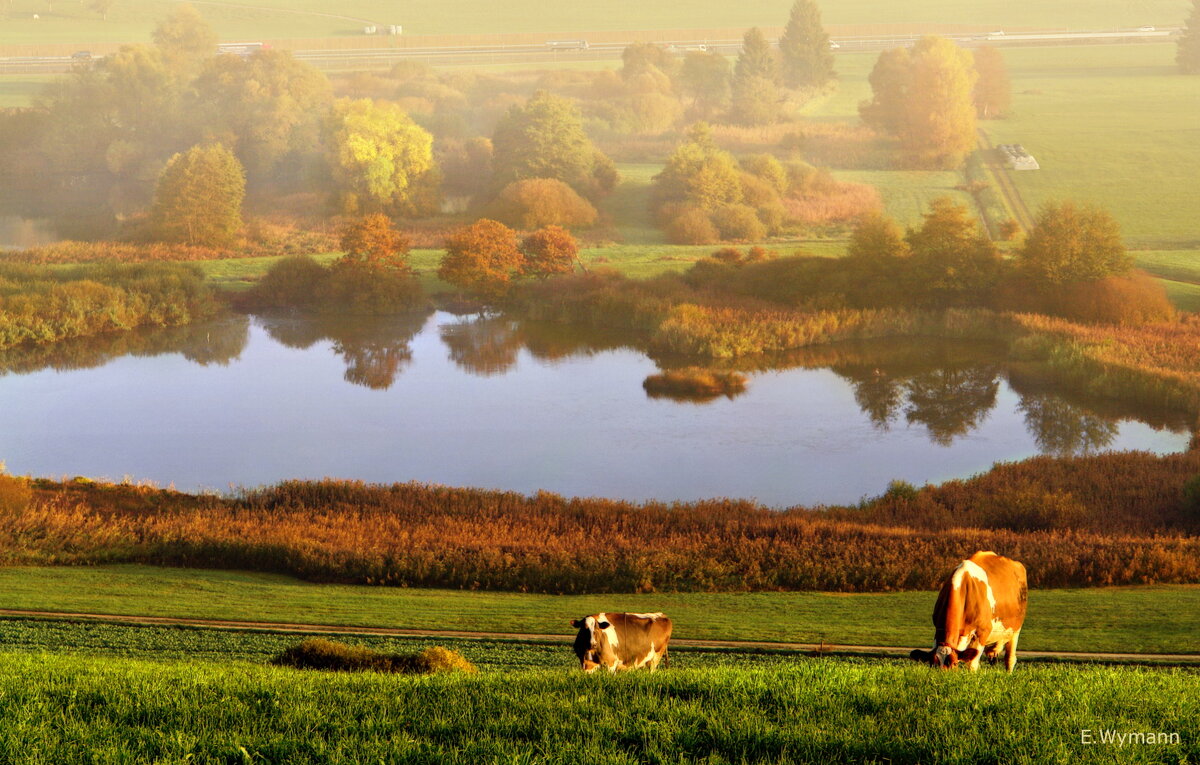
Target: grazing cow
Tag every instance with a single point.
(621, 641)
(980, 609)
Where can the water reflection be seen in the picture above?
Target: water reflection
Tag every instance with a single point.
(483, 345)
(217, 342)
(374, 348)
(1063, 429)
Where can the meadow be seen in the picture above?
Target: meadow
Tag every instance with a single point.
(72, 21)
(1151, 619)
(67, 709)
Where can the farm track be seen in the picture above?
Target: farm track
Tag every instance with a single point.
(1004, 182)
(824, 649)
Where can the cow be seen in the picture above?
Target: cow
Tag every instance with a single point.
(621, 641)
(980, 609)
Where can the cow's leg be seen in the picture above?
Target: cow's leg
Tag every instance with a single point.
(974, 663)
(1010, 656)
(992, 652)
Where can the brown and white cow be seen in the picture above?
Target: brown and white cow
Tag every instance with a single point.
(621, 641)
(980, 609)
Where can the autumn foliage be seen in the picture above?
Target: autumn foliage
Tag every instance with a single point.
(1087, 521)
(482, 258)
(550, 251)
(536, 202)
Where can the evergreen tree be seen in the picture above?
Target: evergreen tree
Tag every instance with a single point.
(198, 199)
(756, 94)
(1187, 52)
(804, 50)
(756, 59)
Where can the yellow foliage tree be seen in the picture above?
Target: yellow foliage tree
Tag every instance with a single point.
(381, 159)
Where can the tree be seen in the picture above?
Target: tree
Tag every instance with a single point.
(550, 251)
(373, 242)
(1187, 51)
(545, 139)
(640, 57)
(993, 90)
(705, 77)
(755, 82)
(199, 197)
(924, 98)
(102, 7)
(699, 173)
(1073, 243)
(876, 237)
(185, 39)
(482, 258)
(269, 105)
(890, 80)
(954, 262)
(756, 58)
(804, 52)
(379, 155)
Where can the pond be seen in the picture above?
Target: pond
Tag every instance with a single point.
(492, 402)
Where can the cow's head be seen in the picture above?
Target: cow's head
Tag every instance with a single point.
(587, 642)
(944, 656)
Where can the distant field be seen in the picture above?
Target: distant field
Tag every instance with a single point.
(69, 709)
(132, 20)
(1125, 619)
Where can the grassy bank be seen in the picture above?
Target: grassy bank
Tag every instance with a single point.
(71, 709)
(1164, 619)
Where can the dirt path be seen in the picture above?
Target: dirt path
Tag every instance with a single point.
(1004, 182)
(742, 645)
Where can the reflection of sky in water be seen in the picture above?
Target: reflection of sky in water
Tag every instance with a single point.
(579, 425)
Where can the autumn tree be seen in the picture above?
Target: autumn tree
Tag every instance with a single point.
(876, 236)
(993, 89)
(1187, 51)
(550, 251)
(373, 242)
(380, 157)
(924, 98)
(269, 106)
(1073, 243)
(544, 138)
(755, 91)
(805, 58)
(642, 57)
(953, 261)
(199, 196)
(482, 258)
(185, 39)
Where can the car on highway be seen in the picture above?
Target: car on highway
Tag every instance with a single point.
(1146, 29)
(82, 55)
(833, 45)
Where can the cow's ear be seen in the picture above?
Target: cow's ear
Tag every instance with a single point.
(603, 625)
(922, 656)
(576, 624)
(968, 654)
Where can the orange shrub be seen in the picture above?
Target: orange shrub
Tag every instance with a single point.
(537, 202)
(691, 225)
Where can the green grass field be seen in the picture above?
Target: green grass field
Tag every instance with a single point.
(1134, 620)
(132, 20)
(68, 709)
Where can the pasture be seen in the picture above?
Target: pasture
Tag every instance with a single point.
(67, 709)
(1163, 619)
(72, 21)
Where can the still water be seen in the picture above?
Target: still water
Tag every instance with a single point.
(491, 402)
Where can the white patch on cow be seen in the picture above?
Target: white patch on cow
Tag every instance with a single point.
(655, 615)
(964, 642)
(610, 633)
(969, 568)
(942, 654)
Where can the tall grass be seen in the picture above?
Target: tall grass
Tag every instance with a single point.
(1116, 519)
(42, 304)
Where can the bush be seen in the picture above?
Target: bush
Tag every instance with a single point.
(739, 223)
(692, 226)
(292, 282)
(357, 289)
(538, 202)
(1128, 300)
(1028, 508)
(15, 493)
(331, 655)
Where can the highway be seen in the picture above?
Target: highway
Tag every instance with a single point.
(366, 59)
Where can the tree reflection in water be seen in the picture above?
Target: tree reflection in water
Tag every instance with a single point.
(219, 342)
(483, 345)
(374, 348)
(1062, 429)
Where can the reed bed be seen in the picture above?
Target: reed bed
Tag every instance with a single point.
(1112, 520)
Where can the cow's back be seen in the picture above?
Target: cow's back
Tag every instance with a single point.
(1008, 585)
(641, 637)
